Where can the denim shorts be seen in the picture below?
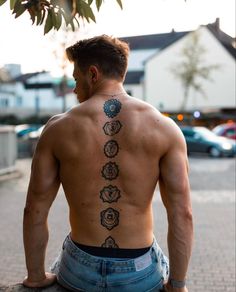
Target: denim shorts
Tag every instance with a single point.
(77, 270)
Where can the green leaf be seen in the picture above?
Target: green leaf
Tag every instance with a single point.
(72, 25)
(87, 12)
(98, 4)
(90, 2)
(66, 17)
(54, 17)
(32, 16)
(120, 3)
(18, 9)
(17, 6)
(2, 2)
(12, 4)
(39, 17)
(49, 22)
(43, 16)
(58, 20)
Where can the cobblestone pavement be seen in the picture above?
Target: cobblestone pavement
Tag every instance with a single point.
(212, 265)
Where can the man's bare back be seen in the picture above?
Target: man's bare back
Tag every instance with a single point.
(109, 153)
(79, 140)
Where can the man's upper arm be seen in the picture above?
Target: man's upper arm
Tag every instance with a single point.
(44, 180)
(174, 182)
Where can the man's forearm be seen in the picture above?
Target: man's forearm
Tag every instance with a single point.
(35, 243)
(180, 238)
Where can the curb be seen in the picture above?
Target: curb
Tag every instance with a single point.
(11, 175)
(20, 288)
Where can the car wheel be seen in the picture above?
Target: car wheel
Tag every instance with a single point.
(214, 152)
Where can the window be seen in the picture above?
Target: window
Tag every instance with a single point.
(230, 132)
(18, 101)
(4, 102)
(188, 133)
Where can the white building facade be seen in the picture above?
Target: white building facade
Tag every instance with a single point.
(164, 91)
(149, 77)
(33, 94)
(152, 59)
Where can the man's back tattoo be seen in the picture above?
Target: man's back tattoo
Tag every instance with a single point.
(110, 194)
(112, 107)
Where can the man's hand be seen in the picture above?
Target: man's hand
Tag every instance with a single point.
(168, 288)
(47, 281)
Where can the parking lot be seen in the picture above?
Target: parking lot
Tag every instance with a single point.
(212, 265)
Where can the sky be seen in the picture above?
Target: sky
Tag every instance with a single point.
(24, 44)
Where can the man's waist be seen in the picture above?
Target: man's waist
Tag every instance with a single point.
(112, 252)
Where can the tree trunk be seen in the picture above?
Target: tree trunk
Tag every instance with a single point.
(185, 99)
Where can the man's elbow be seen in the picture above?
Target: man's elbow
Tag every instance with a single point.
(188, 214)
(34, 215)
(183, 214)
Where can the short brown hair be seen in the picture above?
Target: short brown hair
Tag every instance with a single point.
(109, 54)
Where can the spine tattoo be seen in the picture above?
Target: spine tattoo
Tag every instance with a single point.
(110, 243)
(110, 194)
(109, 217)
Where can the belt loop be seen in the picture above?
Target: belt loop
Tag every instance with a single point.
(64, 242)
(103, 268)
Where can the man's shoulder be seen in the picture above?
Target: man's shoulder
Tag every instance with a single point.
(56, 124)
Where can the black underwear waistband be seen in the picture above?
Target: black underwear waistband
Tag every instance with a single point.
(112, 252)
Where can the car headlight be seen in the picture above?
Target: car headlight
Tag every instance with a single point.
(226, 146)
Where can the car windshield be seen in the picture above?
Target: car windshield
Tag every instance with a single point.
(217, 130)
(205, 133)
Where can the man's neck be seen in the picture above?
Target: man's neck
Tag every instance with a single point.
(109, 87)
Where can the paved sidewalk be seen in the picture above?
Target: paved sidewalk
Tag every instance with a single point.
(213, 262)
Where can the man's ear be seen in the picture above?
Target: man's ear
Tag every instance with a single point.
(93, 73)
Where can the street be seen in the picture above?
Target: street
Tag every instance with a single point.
(212, 266)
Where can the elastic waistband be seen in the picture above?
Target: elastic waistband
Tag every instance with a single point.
(112, 264)
(124, 253)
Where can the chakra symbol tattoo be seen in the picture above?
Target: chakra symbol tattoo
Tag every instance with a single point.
(110, 170)
(110, 243)
(109, 218)
(110, 194)
(111, 148)
(112, 128)
(112, 107)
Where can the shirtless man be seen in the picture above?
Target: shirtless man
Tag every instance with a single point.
(109, 153)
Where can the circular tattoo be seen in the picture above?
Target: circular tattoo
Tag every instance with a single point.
(110, 243)
(112, 128)
(110, 194)
(112, 107)
(111, 148)
(109, 218)
(110, 170)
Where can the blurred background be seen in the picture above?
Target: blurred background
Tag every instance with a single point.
(182, 61)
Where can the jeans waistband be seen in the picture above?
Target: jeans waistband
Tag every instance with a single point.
(112, 264)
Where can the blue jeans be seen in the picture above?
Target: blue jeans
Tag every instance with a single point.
(77, 270)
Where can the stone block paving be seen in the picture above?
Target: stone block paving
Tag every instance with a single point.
(212, 266)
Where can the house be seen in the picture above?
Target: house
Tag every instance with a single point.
(141, 49)
(153, 57)
(150, 77)
(36, 93)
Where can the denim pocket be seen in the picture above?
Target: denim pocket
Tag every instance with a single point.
(67, 285)
(157, 288)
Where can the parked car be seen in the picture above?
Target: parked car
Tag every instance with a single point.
(226, 130)
(24, 129)
(202, 140)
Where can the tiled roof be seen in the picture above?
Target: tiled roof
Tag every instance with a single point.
(163, 40)
(24, 77)
(223, 38)
(133, 77)
(153, 41)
